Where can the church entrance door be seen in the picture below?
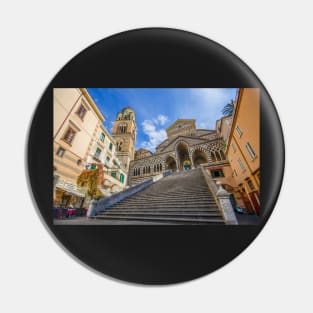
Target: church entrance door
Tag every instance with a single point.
(187, 165)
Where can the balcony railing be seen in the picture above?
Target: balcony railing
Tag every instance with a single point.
(97, 157)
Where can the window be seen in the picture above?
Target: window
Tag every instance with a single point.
(213, 157)
(250, 183)
(119, 146)
(69, 135)
(108, 159)
(102, 137)
(115, 163)
(121, 178)
(81, 112)
(239, 131)
(98, 152)
(79, 162)
(122, 128)
(233, 147)
(113, 174)
(60, 152)
(217, 173)
(111, 146)
(250, 150)
(222, 155)
(241, 164)
(218, 156)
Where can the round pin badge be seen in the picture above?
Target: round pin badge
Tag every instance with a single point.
(155, 156)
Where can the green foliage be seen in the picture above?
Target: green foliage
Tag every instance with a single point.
(228, 109)
(89, 179)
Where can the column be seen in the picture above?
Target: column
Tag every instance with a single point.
(227, 208)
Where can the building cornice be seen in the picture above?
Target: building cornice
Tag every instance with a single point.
(240, 92)
(92, 104)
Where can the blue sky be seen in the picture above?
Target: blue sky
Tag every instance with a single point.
(157, 108)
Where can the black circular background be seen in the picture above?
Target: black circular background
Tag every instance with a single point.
(154, 57)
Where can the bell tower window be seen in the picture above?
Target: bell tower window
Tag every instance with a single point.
(122, 128)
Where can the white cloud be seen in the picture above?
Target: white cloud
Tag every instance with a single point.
(204, 125)
(155, 136)
(205, 105)
(161, 119)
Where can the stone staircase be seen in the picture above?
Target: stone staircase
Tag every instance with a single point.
(180, 198)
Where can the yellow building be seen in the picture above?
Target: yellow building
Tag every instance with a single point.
(76, 120)
(243, 148)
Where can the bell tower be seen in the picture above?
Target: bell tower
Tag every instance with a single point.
(124, 133)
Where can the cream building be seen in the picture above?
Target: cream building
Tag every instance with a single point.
(103, 152)
(79, 141)
(76, 120)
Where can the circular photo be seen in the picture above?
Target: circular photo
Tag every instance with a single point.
(146, 156)
(155, 156)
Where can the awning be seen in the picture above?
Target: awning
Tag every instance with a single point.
(72, 192)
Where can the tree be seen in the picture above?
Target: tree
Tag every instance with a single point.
(89, 179)
(228, 109)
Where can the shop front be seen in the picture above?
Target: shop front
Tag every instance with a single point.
(68, 195)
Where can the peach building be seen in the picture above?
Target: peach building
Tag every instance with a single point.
(76, 120)
(243, 148)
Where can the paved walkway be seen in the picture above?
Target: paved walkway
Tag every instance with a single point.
(247, 219)
(93, 221)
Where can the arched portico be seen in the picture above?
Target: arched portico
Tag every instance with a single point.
(183, 159)
(199, 157)
(170, 163)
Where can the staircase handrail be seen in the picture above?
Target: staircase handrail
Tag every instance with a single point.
(104, 203)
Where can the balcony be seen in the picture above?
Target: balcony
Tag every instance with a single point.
(110, 181)
(97, 157)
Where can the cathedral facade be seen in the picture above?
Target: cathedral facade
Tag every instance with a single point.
(186, 147)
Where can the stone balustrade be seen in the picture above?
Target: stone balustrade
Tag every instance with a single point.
(222, 198)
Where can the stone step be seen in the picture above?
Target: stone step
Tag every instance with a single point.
(165, 207)
(191, 185)
(161, 206)
(170, 210)
(171, 193)
(171, 200)
(179, 192)
(156, 213)
(180, 198)
(184, 220)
